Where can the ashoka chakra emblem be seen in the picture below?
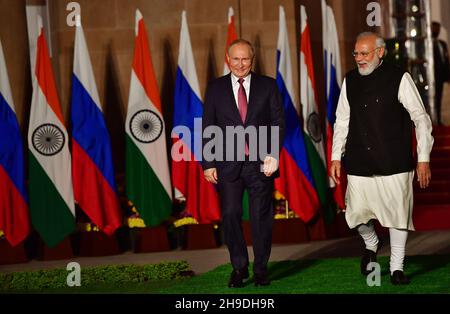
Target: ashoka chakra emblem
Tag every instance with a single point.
(48, 139)
(314, 128)
(146, 126)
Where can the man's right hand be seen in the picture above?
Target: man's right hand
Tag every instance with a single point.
(211, 175)
(335, 171)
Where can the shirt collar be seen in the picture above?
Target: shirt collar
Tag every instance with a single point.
(234, 78)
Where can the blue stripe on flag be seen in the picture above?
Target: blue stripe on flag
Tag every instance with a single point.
(11, 147)
(333, 96)
(187, 106)
(90, 132)
(293, 142)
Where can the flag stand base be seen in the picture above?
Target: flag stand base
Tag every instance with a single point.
(95, 243)
(150, 239)
(199, 237)
(10, 254)
(62, 251)
(291, 230)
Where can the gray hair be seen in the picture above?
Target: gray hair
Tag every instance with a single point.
(379, 41)
(242, 42)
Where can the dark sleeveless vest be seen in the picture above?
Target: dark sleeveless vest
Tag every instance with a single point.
(379, 140)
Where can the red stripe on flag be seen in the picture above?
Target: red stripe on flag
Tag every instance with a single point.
(14, 217)
(143, 66)
(296, 188)
(93, 192)
(339, 189)
(202, 200)
(231, 36)
(44, 75)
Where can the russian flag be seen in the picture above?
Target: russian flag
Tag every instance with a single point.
(295, 181)
(332, 67)
(14, 216)
(187, 174)
(92, 166)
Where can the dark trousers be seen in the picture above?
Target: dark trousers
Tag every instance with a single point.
(261, 217)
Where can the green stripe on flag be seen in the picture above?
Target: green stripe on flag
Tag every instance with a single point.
(144, 188)
(50, 215)
(320, 178)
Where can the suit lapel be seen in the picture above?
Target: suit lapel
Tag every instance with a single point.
(253, 86)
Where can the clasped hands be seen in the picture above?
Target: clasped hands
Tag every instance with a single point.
(269, 167)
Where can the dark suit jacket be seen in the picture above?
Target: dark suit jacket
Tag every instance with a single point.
(441, 61)
(265, 108)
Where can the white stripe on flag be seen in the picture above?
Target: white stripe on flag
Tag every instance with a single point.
(5, 88)
(155, 152)
(186, 58)
(82, 66)
(285, 64)
(58, 168)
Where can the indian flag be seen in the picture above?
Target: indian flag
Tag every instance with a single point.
(231, 36)
(52, 206)
(312, 127)
(147, 168)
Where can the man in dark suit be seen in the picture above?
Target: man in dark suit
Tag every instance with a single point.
(441, 67)
(243, 99)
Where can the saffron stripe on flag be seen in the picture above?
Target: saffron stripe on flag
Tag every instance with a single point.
(44, 76)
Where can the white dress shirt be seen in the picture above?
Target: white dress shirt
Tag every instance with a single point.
(235, 84)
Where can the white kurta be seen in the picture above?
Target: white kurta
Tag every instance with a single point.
(389, 199)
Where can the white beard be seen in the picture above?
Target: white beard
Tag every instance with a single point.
(371, 66)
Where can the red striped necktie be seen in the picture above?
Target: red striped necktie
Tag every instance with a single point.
(242, 104)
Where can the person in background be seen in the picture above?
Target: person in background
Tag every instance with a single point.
(441, 68)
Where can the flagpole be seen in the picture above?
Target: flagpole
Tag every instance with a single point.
(240, 19)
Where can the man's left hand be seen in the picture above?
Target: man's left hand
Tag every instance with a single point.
(270, 166)
(423, 174)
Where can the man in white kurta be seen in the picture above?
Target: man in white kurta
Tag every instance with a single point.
(385, 197)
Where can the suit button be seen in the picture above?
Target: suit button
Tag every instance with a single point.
(376, 100)
(368, 148)
(365, 106)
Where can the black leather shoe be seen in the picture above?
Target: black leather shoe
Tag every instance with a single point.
(399, 278)
(369, 257)
(261, 280)
(237, 278)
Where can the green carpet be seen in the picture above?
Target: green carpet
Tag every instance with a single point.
(429, 274)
